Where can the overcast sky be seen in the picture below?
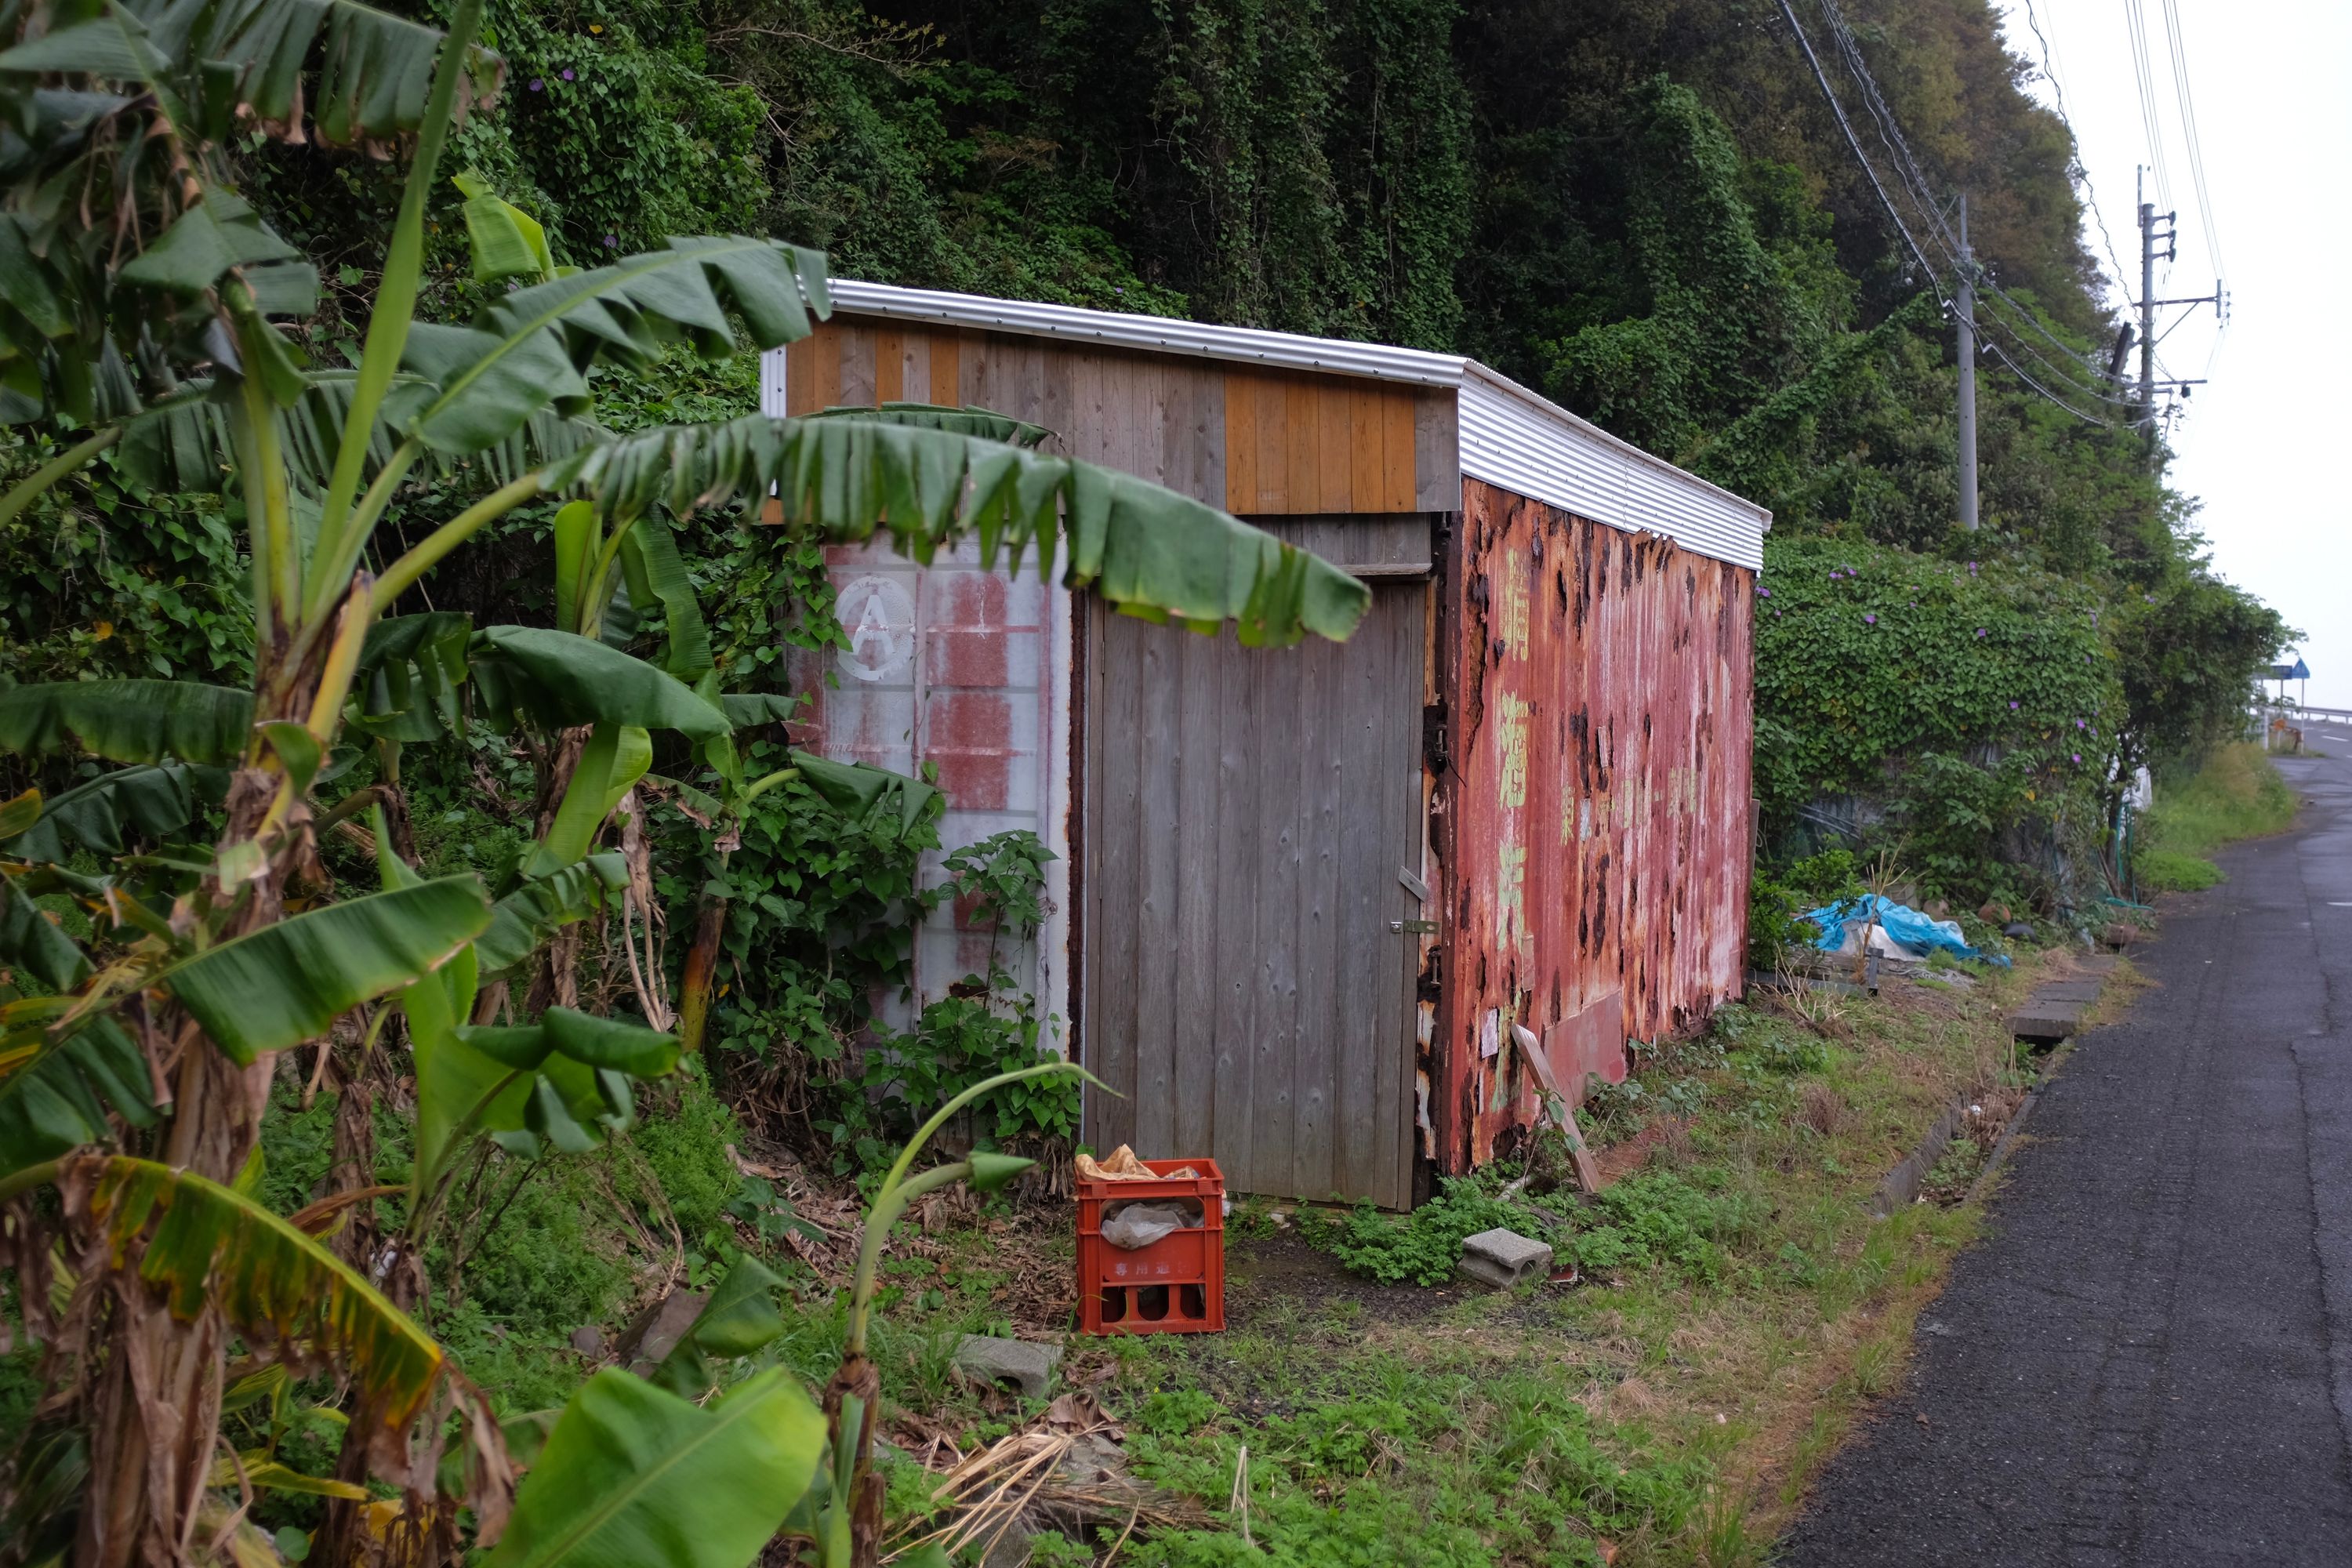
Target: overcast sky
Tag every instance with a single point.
(2266, 444)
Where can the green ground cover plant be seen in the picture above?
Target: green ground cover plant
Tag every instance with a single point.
(1739, 1307)
(2236, 792)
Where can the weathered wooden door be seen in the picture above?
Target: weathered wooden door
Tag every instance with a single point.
(1250, 816)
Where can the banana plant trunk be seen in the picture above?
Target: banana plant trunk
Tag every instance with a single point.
(701, 972)
(154, 1400)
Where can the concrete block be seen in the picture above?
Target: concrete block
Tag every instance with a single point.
(2084, 991)
(1024, 1365)
(2045, 1020)
(1503, 1258)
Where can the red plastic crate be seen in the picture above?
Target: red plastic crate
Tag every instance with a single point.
(1175, 1286)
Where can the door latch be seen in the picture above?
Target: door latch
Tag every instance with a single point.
(1418, 928)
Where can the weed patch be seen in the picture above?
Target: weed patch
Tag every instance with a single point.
(1423, 1245)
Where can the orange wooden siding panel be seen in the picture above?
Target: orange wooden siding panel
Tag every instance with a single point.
(1258, 442)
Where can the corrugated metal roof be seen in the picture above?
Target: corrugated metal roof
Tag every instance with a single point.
(1509, 435)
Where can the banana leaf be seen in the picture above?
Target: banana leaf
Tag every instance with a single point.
(287, 983)
(634, 1474)
(195, 1241)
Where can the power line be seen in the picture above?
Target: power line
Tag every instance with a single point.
(2151, 117)
(1914, 183)
(1837, 110)
(1907, 165)
(2189, 130)
(2080, 170)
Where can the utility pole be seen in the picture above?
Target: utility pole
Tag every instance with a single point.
(1968, 356)
(2147, 305)
(2148, 220)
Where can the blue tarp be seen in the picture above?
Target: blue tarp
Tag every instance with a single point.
(1905, 927)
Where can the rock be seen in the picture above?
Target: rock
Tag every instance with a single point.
(1503, 1258)
(653, 1333)
(1094, 1460)
(1937, 910)
(588, 1341)
(1025, 1366)
(1994, 914)
(2017, 930)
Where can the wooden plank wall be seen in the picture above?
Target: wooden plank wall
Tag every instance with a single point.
(1255, 442)
(1248, 811)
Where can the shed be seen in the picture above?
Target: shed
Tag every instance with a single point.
(1303, 895)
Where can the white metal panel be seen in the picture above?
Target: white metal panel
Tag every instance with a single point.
(1512, 438)
(1508, 436)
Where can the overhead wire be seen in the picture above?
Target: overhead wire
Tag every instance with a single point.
(1837, 110)
(2150, 113)
(2174, 38)
(2084, 377)
(2056, 77)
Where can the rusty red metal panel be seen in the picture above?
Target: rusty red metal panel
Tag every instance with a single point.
(1597, 814)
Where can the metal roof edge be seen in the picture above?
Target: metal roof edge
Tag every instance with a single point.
(1623, 447)
(1121, 330)
(1253, 345)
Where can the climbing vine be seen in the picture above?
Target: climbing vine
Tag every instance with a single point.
(1972, 697)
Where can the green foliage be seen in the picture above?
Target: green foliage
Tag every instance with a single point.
(107, 577)
(1655, 1219)
(1974, 699)
(2173, 871)
(1423, 1245)
(1282, 165)
(1774, 930)
(819, 906)
(1527, 1474)
(979, 1031)
(2236, 792)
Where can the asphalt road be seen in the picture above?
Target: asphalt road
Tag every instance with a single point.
(2148, 1360)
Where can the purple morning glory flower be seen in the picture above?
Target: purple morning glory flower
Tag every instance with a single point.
(2078, 756)
(1980, 631)
(567, 73)
(2079, 725)
(1763, 593)
(537, 83)
(1870, 620)
(612, 241)
(2012, 707)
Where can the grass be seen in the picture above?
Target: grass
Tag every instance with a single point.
(2236, 793)
(1740, 1308)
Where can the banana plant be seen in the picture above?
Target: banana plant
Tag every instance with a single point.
(842, 1516)
(145, 305)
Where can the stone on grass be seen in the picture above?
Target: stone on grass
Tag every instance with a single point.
(1024, 1365)
(653, 1333)
(1503, 1258)
(588, 1341)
